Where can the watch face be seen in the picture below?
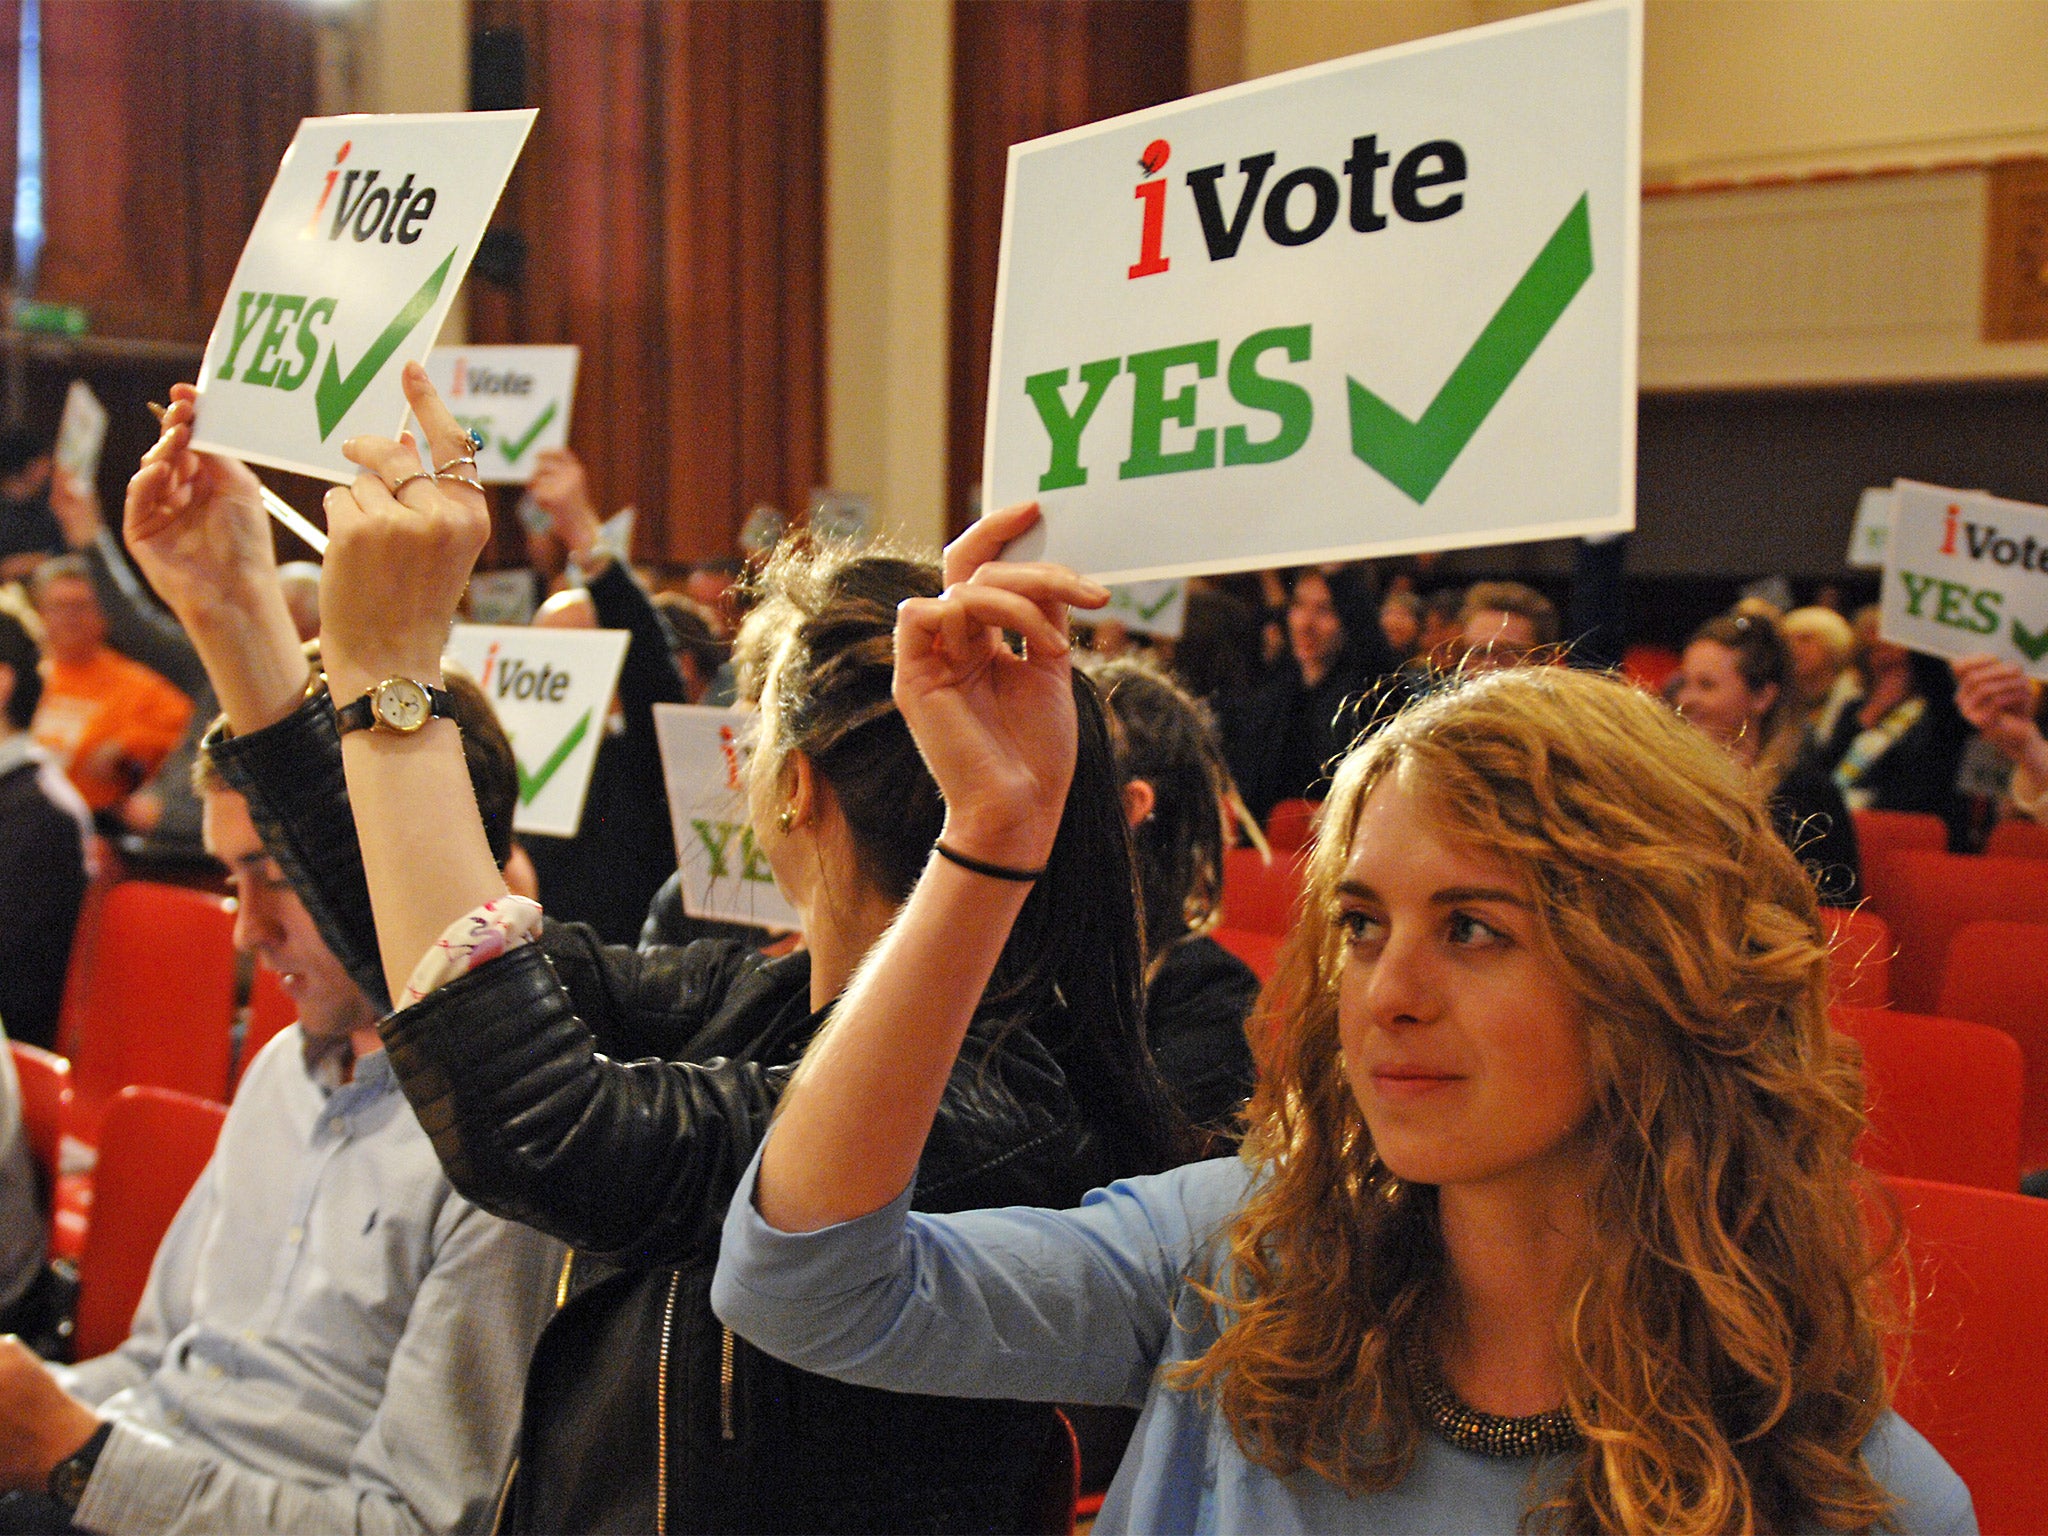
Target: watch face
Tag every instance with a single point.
(401, 705)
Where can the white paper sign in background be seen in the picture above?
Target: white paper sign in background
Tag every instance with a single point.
(516, 399)
(1966, 573)
(81, 433)
(1382, 304)
(354, 259)
(552, 689)
(1146, 608)
(704, 755)
(1873, 527)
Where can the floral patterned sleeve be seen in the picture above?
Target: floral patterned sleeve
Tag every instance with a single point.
(482, 934)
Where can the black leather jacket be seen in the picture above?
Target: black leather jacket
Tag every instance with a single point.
(612, 1098)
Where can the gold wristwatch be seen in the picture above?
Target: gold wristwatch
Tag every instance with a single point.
(398, 704)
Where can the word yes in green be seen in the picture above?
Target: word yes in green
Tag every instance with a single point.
(1980, 617)
(717, 838)
(1152, 407)
(265, 366)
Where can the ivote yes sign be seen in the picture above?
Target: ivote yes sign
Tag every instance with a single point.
(1965, 572)
(725, 873)
(1383, 304)
(516, 399)
(552, 689)
(362, 241)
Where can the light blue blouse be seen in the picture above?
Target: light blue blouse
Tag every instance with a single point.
(1086, 1306)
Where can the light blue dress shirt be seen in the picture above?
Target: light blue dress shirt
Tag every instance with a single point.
(1086, 1306)
(332, 1339)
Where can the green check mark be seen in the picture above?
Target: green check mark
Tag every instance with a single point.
(1157, 608)
(2034, 645)
(336, 394)
(531, 784)
(517, 447)
(1415, 455)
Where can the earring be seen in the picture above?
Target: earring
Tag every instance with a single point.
(786, 820)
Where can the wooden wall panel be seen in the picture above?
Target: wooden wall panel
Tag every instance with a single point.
(162, 128)
(671, 198)
(1022, 69)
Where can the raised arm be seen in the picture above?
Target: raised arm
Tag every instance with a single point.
(997, 730)
(196, 525)
(396, 567)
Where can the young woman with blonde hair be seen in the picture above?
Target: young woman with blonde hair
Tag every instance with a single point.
(1546, 1216)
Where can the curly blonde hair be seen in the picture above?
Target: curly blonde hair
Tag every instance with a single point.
(1724, 1345)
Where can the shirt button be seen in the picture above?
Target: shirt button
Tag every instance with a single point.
(295, 1234)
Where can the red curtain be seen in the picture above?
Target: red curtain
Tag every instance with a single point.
(1022, 69)
(671, 203)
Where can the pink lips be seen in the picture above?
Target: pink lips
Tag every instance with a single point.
(1396, 1082)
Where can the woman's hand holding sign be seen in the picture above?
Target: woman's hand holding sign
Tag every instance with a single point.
(402, 540)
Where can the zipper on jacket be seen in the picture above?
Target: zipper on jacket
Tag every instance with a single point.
(512, 1472)
(725, 1363)
(668, 1319)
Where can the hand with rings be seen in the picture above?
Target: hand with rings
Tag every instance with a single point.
(402, 540)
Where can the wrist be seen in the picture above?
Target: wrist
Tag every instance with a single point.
(350, 677)
(75, 1431)
(1021, 842)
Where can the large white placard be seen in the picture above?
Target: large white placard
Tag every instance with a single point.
(516, 399)
(1966, 573)
(1382, 304)
(704, 755)
(552, 689)
(1147, 608)
(361, 243)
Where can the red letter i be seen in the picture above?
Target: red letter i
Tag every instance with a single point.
(326, 190)
(1153, 195)
(1948, 542)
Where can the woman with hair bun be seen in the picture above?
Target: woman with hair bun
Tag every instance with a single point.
(1546, 1216)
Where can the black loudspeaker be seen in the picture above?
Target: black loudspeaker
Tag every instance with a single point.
(497, 70)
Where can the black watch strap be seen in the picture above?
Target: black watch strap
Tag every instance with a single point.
(361, 716)
(68, 1478)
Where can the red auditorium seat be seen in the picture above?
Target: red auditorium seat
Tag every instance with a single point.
(1997, 974)
(1926, 896)
(1944, 1097)
(154, 1000)
(1976, 1381)
(2018, 840)
(1884, 831)
(1260, 951)
(45, 1079)
(1059, 1488)
(1291, 824)
(153, 1145)
(1860, 957)
(1259, 896)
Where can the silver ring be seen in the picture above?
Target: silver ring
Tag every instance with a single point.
(468, 480)
(460, 458)
(398, 490)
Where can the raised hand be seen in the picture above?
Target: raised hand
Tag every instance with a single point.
(995, 727)
(1995, 697)
(401, 544)
(75, 505)
(562, 490)
(195, 522)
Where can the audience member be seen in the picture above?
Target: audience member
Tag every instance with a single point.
(554, 1100)
(1504, 624)
(1401, 624)
(109, 721)
(164, 812)
(2001, 702)
(1732, 684)
(1198, 995)
(1548, 1215)
(331, 1337)
(1300, 717)
(1217, 653)
(22, 1220)
(45, 843)
(700, 655)
(715, 586)
(1819, 683)
(1440, 646)
(1899, 747)
(28, 532)
(608, 873)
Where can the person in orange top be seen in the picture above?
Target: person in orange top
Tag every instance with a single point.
(108, 720)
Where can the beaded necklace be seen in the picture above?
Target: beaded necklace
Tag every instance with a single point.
(1549, 1433)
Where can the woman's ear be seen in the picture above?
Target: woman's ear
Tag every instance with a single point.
(1140, 800)
(1767, 699)
(800, 785)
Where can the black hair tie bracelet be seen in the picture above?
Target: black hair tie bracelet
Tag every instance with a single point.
(982, 867)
